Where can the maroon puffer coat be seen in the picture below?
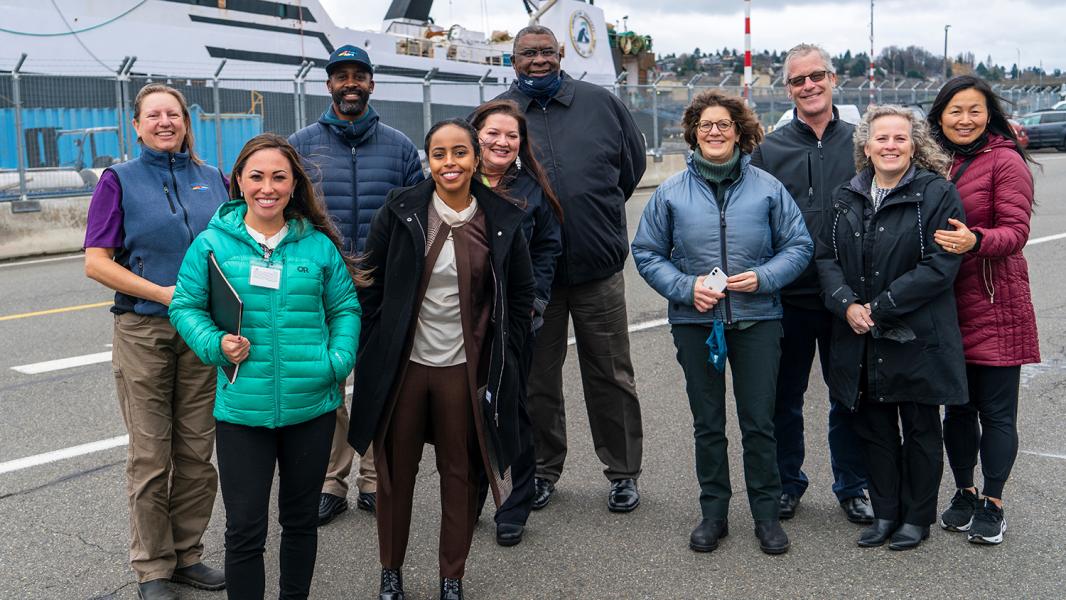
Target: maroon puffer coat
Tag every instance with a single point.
(992, 288)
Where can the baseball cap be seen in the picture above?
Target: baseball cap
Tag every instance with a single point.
(349, 54)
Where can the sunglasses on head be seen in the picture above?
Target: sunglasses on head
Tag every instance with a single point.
(815, 77)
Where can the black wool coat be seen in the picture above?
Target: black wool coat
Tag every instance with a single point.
(395, 252)
(888, 259)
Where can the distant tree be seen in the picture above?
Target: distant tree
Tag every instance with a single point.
(982, 70)
(1014, 73)
(859, 67)
(697, 54)
(912, 74)
(1056, 73)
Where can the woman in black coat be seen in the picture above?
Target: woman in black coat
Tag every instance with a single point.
(897, 350)
(444, 324)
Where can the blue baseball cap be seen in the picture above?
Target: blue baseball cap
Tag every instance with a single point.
(349, 54)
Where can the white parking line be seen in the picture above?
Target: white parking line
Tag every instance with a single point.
(37, 261)
(49, 457)
(63, 363)
(1044, 454)
(1046, 238)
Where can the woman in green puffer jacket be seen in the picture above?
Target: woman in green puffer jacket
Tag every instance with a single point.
(299, 333)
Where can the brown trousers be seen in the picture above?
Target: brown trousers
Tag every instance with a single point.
(341, 456)
(432, 403)
(167, 396)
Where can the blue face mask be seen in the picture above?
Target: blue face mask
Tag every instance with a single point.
(717, 347)
(540, 88)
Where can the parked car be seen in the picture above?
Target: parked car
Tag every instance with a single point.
(1020, 133)
(1046, 129)
(1059, 105)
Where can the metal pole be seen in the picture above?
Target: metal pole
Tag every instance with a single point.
(296, 96)
(481, 87)
(119, 115)
(427, 100)
(16, 93)
(303, 92)
(618, 80)
(747, 51)
(655, 114)
(692, 84)
(218, 114)
(127, 112)
(947, 65)
(871, 52)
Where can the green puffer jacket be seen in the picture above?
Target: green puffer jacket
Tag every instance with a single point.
(303, 335)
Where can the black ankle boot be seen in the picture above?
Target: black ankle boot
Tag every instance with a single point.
(391, 585)
(877, 534)
(451, 589)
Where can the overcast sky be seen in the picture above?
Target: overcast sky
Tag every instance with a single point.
(1002, 29)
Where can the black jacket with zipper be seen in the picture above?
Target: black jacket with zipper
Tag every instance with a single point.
(810, 169)
(888, 259)
(395, 253)
(593, 153)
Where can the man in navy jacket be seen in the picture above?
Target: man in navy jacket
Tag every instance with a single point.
(356, 161)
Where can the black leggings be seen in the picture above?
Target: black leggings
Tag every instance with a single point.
(246, 460)
(988, 424)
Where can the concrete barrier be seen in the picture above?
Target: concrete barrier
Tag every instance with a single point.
(60, 225)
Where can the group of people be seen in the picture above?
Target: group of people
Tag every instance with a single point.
(447, 302)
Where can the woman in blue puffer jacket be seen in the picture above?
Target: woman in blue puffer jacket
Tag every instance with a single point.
(297, 343)
(724, 215)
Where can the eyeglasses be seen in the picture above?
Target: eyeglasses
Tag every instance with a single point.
(533, 52)
(723, 125)
(815, 77)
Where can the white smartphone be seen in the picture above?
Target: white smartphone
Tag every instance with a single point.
(716, 280)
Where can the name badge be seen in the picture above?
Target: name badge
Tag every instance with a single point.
(265, 277)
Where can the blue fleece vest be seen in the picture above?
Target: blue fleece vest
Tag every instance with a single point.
(167, 200)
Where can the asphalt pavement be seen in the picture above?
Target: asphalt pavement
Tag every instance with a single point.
(64, 528)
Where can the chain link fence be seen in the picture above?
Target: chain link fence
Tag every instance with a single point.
(58, 133)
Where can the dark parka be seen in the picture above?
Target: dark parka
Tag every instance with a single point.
(811, 170)
(889, 260)
(354, 169)
(395, 252)
(593, 153)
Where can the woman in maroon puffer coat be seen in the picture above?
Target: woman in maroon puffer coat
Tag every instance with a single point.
(992, 291)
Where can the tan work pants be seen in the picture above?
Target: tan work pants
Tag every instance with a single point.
(341, 456)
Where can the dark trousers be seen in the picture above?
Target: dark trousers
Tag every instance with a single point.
(515, 510)
(753, 360)
(432, 403)
(993, 402)
(601, 328)
(804, 329)
(904, 477)
(246, 460)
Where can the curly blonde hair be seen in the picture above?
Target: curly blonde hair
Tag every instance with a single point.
(927, 153)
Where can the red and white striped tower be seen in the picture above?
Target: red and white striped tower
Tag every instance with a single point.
(747, 50)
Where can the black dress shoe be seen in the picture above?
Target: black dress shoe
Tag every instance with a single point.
(772, 539)
(624, 496)
(542, 492)
(858, 510)
(908, 536)
(877, 534)
(451, 589)
(787, 506)
(200, 576)
(330, 506)
(705, 536)
(391, 585)
(156, 589)
(367, 501)
(509, 534)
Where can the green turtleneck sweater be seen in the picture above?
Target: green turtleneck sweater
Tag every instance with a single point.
(718, 175)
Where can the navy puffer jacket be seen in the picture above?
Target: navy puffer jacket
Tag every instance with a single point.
(355, 165)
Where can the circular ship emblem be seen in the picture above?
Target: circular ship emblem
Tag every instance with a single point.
(582, 34)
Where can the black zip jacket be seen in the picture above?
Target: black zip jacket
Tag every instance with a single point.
(593, 153)
(810, 169)
(395, 253)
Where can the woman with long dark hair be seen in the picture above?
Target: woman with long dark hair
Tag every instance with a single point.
(143, 216)
(509, 167)
(275, 245)
(992, 290)
(446, 321)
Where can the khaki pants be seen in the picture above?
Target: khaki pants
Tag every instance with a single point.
(341, 456)
(167, 396)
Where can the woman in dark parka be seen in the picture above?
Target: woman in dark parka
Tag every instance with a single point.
(444, 325)
(897, 351)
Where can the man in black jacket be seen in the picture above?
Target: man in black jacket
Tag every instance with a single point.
(593, 153)
(811, 155)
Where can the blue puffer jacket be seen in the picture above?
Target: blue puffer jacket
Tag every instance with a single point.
(685, 232)
(355, 165)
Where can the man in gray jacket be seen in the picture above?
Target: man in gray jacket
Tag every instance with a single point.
(594, 155)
